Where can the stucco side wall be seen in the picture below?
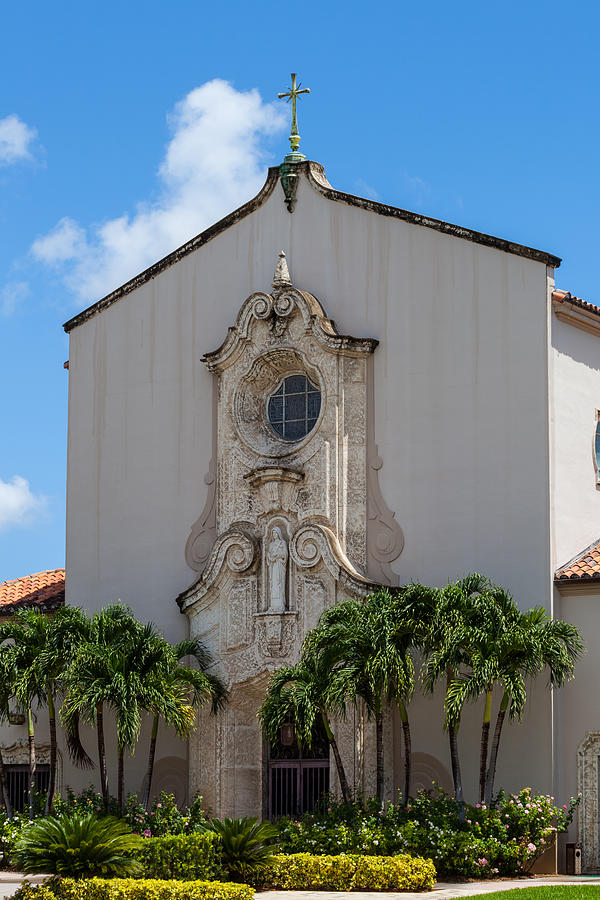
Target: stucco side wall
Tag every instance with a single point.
(575, 402)
(461, 411)
(578, 702)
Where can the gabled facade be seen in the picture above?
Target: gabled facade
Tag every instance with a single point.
(295, 465)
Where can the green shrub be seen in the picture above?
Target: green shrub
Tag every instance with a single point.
(188, 857)
(305, 872)
(134, 889)
(393, 873)
(246, 845)
(78, 845)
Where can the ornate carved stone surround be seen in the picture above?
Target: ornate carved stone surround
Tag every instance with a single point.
(290, 527)
(275, 335)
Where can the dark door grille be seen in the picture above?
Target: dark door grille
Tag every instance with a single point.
(296, 786)
(17, 778)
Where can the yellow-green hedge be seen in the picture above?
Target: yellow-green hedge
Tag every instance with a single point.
(305, 872)
(134, 889)
(186, 857)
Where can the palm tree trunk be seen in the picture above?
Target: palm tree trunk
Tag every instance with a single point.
(102, 755)
(151, 754)
(31, 744)
(485, 736)
(454, 757)
(491, 774)
(4, 788)
(379, 736)
(338, 759)
(52, 727)
(407, 751)
(120, 779)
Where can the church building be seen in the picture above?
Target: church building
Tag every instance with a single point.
(317, 395)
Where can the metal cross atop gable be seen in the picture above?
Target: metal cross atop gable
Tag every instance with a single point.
(292, 94)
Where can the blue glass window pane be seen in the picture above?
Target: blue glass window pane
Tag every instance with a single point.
(295, 406)
(295, 430)
(295, 384)
(314, 404)
(275, 409)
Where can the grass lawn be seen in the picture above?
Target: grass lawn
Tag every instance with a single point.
(548, 892)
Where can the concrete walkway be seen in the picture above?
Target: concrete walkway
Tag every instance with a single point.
(442, 890)
(10, 881)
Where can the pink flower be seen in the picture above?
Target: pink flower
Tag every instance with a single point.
(565, 806)
(147, 833)
(468, 821)
(482, 861)
(531, 847)
(159, 805)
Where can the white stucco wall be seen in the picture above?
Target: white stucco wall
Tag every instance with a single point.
(578, 702)
(575, 400)
(461, 411)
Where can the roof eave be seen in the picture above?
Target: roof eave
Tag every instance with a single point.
(317, 179)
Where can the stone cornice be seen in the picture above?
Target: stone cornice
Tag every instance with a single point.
(582, 585)
(203, 238)
(576, 312)
(281, 305)
(315, 176)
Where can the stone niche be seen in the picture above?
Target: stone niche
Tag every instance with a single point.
(294, 520)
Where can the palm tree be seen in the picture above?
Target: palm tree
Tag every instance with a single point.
(539, 643)
(23, 639)
(127, 675)
(86, 688)
(5, 696)
(485, 634)
(302, 694)
(445, 643)
(366, 643)
(202, 685)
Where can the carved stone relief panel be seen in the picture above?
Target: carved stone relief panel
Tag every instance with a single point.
(240, 600)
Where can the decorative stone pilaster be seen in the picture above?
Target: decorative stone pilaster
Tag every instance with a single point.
(588, 820)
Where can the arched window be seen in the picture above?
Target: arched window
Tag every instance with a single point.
(293, 409)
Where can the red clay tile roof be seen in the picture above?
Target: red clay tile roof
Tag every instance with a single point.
(46, 590)
(583, 567)
(567, 297)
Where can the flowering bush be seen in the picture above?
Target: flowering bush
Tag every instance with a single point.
(503, 839)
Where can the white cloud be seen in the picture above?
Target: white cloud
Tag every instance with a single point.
(12, 295)
(214, 162)
(15, 140)
(65, 241)
(17, 502)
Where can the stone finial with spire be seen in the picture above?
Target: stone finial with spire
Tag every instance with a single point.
(281, 276)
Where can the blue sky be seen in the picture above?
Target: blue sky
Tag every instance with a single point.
(125, 128)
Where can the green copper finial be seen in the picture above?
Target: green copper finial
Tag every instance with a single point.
(292, 94)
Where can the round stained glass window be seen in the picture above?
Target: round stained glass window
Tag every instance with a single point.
(293, 409)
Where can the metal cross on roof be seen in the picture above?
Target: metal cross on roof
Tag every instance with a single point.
(292, 94)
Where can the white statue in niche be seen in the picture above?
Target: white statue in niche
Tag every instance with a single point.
(277, 558)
